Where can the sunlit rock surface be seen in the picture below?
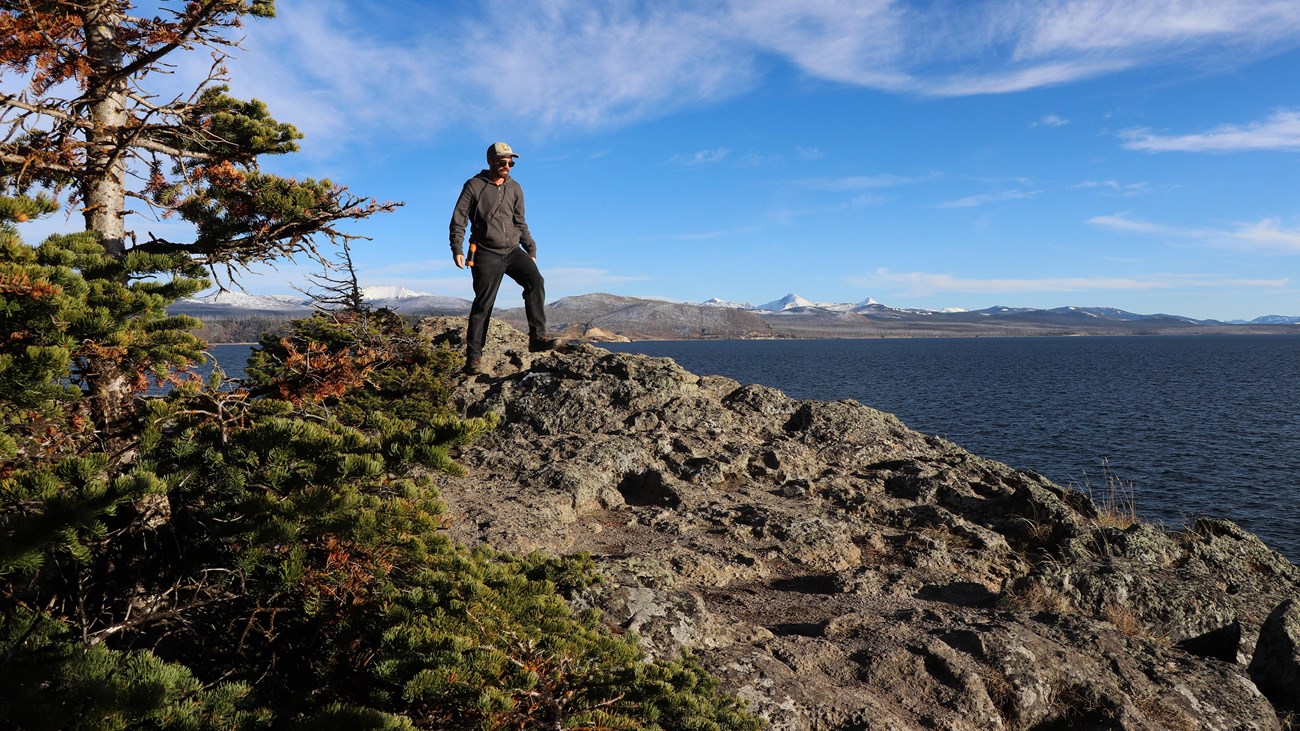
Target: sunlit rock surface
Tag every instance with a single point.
(841, 571)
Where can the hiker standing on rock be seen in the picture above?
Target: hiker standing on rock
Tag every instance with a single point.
(499, 244)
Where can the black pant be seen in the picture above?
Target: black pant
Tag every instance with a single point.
(488, 269)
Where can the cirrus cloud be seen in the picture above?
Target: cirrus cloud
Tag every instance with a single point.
(1266, 236)
(1281, 131)
(972, 201)
(576, 64)
(931, 283)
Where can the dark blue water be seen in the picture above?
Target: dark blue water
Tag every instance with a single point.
(1197, 425)
(232, 358)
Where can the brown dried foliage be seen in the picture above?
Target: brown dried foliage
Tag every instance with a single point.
(348, 573)
(37, 42)
(20, 283)
(314, 373)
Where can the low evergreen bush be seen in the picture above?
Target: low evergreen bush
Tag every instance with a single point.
(269, 555)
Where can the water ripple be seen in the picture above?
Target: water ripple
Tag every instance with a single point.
(1197, 424)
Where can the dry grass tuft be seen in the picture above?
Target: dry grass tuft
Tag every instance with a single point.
(1166, 716)
(1037, 532)
(1115, 499)
(1038, 598)
(1123, 618)
(1001, 693)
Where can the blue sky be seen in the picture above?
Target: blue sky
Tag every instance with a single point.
(1141, 155)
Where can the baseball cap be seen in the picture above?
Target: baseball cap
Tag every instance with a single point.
(500, 149)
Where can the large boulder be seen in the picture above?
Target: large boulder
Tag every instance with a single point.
(841, 571)
(1276, 665)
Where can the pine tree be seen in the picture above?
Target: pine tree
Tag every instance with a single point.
(88, 127)
(301, 573)
(69, 491)
(64, 330)
(270, 555)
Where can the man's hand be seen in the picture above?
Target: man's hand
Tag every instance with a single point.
(460, 261)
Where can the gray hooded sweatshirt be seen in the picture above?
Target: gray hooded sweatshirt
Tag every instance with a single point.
(495, 214)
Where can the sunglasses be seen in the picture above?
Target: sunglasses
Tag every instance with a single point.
(504, 161)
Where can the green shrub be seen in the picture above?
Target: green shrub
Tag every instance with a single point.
(271, 556)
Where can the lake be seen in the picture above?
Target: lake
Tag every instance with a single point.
(1195, 425)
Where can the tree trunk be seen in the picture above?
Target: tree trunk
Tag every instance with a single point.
(104, 187)
(104, 190)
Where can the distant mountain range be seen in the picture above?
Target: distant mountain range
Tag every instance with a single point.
(1269, 320)
(789, 316)
(238, 304)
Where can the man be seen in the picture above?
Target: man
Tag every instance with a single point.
(499, 244)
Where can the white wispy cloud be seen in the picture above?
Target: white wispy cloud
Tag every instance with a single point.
(343, 66)
(859, 42)
(450, 286)
(1107, 25)
(700, 157)
(865, 182)
(1007, 81)
(931, 283)
(318, 66)
(788, 214)
(1121, 222)
(986, 198)
(934, 283)
(418, 266)
(561, 64)
(1266, 236)
(703, 235)
(1051, 120)
(1114, 186)
(1281, 131)
(586, 279)
(276, 277)
(428, 276)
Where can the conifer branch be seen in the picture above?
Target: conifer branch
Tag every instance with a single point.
(201, 15)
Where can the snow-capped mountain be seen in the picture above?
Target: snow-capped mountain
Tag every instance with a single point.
(377, 292)
(1111, 313)
(240, 304)
(425, 304)
(242, 301)
(401, 299)
(1275, 320)
(715, 302)
(792, 301)
(792, 313)
(796, 303)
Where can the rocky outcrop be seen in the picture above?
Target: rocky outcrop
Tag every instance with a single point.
(645, 318)
(1276, 665)
(795, 317)
(841, 571)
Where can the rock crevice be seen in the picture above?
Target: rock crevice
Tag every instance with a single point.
(840, 571)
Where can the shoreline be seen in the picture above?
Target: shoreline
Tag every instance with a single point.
(1291, 330)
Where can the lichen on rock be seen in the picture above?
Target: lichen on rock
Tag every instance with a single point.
(841, 571)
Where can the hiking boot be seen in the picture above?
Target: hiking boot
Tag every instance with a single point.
(473, 366)
(541, 343)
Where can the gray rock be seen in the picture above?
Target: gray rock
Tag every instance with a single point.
(840, 571)
(1276, 665)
